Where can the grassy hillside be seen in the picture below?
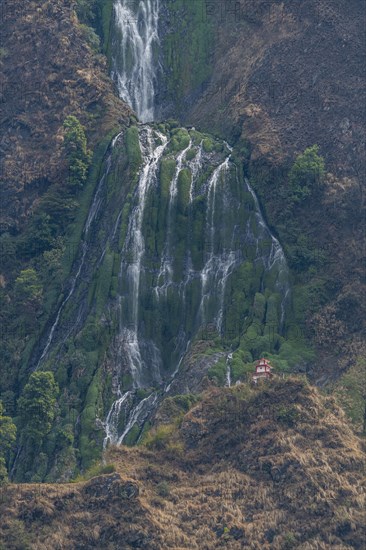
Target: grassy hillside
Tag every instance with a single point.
(272, 467)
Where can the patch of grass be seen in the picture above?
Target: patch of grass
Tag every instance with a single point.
(350, 391)
(95, 470)
(163, 489)
(160, 438)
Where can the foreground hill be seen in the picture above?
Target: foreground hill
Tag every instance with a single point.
(271, 467)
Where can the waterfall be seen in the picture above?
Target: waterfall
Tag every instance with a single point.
(94, 209)
(166, 269)
(182, 289)
(134, 249)
(139, 414)
(228, 370)
(218, 265)
(275, 259)
(196, 166)
(111, 423)
(134, 61)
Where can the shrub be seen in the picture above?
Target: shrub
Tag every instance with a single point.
(163, 489)
(91, 37)
(28, 290)
(307, 171)
(95, 470)
(290, 541)
(7, 432)
(3, 53)
(3, 472)
(36, 405)
(133, 148)
(158, 438)
(287, 415)
(85, 10)
(79, 157)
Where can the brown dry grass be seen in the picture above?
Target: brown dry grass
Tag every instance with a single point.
(276, 468)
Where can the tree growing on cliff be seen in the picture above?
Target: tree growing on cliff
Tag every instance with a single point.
(36, 406)
(28, 290)
(307, 172)
(7, 439)
(78, 155)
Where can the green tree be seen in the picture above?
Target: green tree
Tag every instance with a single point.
(36, 406)
(91, 37)
(7, 439)
(85, 10)
(307, 172)
(7, 432)
(28, 290)
(78, 155)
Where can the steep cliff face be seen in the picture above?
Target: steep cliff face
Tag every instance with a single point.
(175, 258)
(47, 72)
(162, 274)
(285, 75)
(279, 77)
(273, 467)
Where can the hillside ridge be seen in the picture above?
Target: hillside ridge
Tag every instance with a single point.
(270, 467)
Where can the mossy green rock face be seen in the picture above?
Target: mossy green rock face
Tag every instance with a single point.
(174, 251)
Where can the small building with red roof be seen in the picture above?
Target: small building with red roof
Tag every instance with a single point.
(263, 369)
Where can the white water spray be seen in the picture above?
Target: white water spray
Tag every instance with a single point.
(134, 62)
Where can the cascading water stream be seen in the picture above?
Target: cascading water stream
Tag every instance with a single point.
(228, 369)
(134, 65)
(275, 258)
(94, 209)
(134, 68)
(130, 271)
(134, 247)
(218, 266)
(166, 269)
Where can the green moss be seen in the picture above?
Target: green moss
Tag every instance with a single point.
(240, 288)
(133, 148)
(132, 436)
(124, 223)
(208, 145)
(259, 306)
(89, 443)
(184, 186)
(190, 154)
(105, 17)
(187, 51)
(218, 372)
(180, 140)
(167, 170)
(104, 280)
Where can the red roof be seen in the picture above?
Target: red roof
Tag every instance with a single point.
(264, 362)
